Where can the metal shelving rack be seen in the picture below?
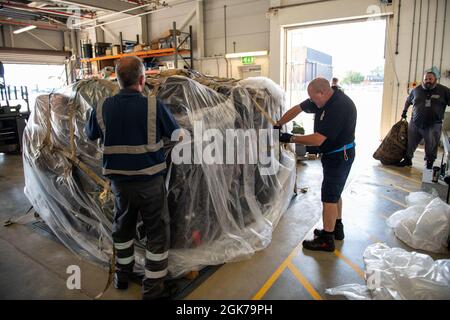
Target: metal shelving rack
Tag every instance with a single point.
(175, 50)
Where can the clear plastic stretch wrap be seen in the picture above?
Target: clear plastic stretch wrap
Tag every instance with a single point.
(396, 274)
(424, 224)
(219, 212)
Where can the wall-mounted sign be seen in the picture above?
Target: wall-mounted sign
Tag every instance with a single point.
(248, 60)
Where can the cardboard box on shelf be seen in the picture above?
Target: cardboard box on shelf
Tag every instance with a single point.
(115, 50)
(139, 47)
(155, 45)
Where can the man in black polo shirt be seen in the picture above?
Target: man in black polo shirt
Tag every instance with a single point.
(429, 101)
(334, 134)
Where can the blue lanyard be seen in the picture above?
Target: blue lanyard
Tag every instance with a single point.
(347, 146)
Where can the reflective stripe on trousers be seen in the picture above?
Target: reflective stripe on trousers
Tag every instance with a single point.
(124, 252)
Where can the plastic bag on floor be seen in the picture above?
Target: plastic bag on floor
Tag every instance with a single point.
(396, 274)
(423, 227)
(420, 198)
(352, 291)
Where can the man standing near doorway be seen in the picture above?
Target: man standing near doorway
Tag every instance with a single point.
(334, 133)
(429, 101)
(131, 127)
(335, 85)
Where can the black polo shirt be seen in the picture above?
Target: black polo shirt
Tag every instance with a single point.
(336, 120)
(428, 105)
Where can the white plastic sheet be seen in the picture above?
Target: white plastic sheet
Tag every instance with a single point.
(396, 274)
(219, 212)
(425, 224)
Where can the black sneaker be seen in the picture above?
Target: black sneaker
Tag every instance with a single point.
(119, 283)
(321, 243)
(404, 163)
(430, 165)
(338, 231)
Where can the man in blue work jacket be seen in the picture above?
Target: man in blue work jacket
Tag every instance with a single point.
(131, 127)
(334, 134)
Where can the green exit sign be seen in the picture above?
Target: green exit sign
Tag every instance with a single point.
(248, 60)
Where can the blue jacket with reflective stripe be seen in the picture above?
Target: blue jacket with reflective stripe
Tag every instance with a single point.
(124, 129)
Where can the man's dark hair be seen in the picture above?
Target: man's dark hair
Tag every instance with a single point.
(128, 71)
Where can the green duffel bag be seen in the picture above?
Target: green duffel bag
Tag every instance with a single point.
(393, 146)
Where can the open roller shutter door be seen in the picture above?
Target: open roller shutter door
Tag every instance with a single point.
(30, 56)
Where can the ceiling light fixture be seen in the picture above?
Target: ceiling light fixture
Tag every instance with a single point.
(246, 54)
(27, 28)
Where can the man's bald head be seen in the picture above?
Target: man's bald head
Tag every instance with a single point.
(319, 91)
(129, 71)
(319, 85)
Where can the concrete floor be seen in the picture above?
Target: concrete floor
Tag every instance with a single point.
(33, 266)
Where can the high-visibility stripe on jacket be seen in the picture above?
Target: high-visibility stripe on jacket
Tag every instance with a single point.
(131, 127)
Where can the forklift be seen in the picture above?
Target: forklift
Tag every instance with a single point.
(12, 119)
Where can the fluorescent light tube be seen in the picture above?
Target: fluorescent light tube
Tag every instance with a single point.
(246, 54)
(27, 28)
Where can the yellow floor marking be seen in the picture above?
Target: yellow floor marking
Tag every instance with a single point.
(261, 292)
(399, 174)
(392, 200)
(269, 283)
(401, 188)
(349, 263)
(306, 284)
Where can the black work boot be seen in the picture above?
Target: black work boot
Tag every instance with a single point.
(324, 242)
(120, 282)
(430, 164)
(406, 162)
(338, 231)
(159, 290)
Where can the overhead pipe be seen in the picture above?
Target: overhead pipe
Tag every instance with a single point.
(14, 5)
(398, 26)
(412, 45)
(435, 31)
(418, 41)
(297, 5)
(426, 36)
(443, 38)
(81, 5)
(111, 15)
(130, 17)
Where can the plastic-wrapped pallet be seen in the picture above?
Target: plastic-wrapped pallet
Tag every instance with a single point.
(219, 212)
